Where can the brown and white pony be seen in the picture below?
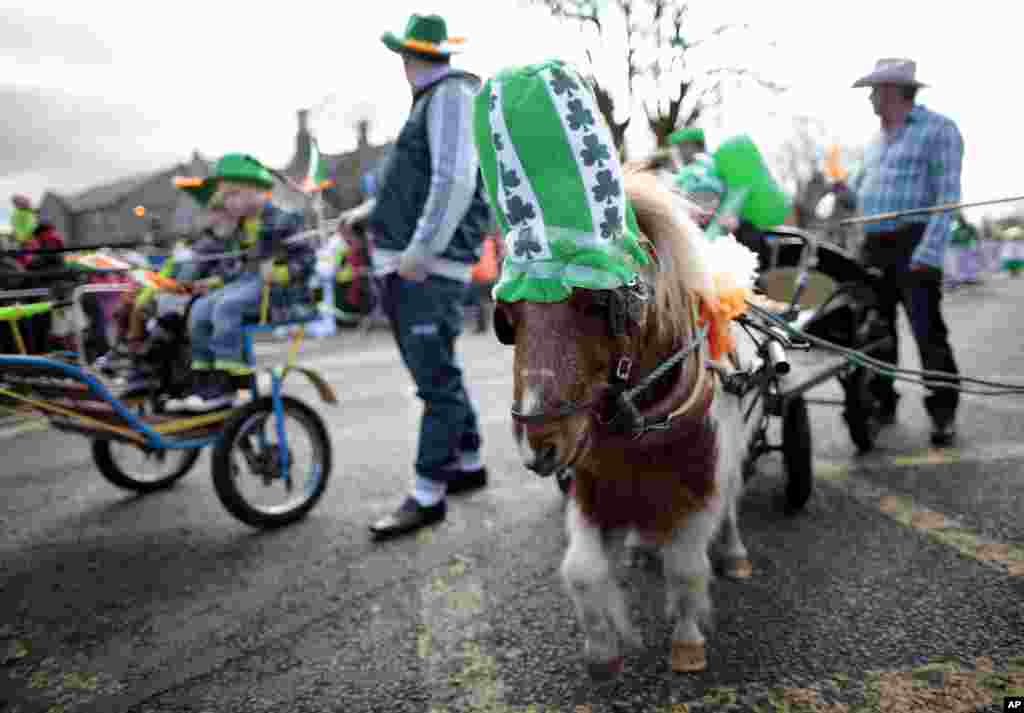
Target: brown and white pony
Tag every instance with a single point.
(656, 454)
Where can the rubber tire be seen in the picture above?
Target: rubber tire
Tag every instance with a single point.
(797, 454)
(860, 411)
(224, 483)
(108, 466)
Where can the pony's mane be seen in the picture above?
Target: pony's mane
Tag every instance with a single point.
(681, 264)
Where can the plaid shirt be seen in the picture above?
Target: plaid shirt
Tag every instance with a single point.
(917, 166)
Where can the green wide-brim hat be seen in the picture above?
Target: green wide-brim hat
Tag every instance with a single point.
(234, 167)
(425, 35)
(201, 189)
(687, 133)
(555, 183)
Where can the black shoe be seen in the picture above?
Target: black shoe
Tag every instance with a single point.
(467, 481)
(408, 517)
(943, 435)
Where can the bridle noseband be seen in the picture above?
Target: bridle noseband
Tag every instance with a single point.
(625, 307)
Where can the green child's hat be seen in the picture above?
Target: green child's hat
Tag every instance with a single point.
(234, 167)
(425, 35)
(554, 181)
(687, 133)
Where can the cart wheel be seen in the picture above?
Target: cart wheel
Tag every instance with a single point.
(144, 471)
(247, 466)
(796, 454)
(861, 410)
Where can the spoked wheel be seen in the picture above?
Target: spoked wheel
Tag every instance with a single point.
(797, 454)
(861, 411)
(143, 470)
(247, 463)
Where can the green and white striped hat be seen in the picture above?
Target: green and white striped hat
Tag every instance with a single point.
(555, 182)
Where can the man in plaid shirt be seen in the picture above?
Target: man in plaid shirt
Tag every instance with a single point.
(914, 162)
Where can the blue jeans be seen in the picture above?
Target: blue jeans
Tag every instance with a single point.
(215, 323)
(426, 318)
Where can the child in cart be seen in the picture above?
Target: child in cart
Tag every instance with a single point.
(193, 270)
(241, 188)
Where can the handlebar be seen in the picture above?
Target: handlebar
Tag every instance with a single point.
(14, 313)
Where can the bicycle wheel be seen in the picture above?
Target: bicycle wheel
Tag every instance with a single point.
(156, 471)
(247, 472)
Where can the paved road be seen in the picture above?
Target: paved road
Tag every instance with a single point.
(901, 584)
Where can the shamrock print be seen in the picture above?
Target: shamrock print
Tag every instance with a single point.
(527, 244)
(563, 83)
(607, 187)
(594, 151)
(612, 222)
(499, 145)
(519, 210)
(579, 116)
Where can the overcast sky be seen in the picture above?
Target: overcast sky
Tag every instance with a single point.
(91, 92)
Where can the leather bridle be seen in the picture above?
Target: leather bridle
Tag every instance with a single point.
(625, 312)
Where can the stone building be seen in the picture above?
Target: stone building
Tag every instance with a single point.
(107, 213)
(345, 169)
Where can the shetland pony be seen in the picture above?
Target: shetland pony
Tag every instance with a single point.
(658, 454)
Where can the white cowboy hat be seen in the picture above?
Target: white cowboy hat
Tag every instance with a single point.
(892, 70)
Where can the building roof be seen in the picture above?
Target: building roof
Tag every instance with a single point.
(112, 193)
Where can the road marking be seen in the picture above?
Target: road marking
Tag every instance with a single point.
(1006, 557)
(456, 668)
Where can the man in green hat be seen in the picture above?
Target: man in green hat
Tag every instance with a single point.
(428, 220)
(242, 194)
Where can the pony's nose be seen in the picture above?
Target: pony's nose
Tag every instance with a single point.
(543, 460)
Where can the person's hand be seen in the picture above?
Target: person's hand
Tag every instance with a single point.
(411, 267)
(355, 215)
(729, 222)
(700, 216)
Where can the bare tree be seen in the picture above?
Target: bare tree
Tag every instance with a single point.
(606, 105)
(799, 164)
(657, 54)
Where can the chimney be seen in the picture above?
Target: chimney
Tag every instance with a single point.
(303, 121)
(363, 131)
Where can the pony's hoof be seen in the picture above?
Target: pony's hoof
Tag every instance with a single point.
(740, 568)
(688, 656)
(606, 670)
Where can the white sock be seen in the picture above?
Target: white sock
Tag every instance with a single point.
(428, 492)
